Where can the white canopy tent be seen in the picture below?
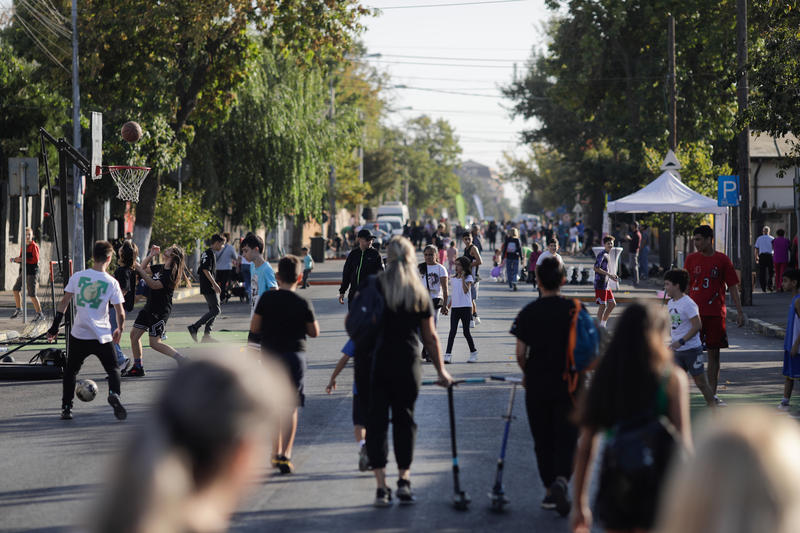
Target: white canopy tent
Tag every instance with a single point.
(668, 194)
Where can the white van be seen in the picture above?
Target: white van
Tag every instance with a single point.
(394, 209)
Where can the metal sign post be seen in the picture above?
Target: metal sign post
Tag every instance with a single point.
(23, 182)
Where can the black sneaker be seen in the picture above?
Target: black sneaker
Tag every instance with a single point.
(192, 332)
(136, 371)
(285, 465)
(383, 497)
(66, 412)
(404, 494)
(119, 410)
(16, 313)
(548, 502)
(559, 492)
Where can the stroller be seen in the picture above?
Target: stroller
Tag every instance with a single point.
(236, 286)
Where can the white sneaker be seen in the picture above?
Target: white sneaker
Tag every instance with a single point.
(473, 357)
(472, 323)
(783, 406)
(448, 358)
(476, 319)
(720, 402)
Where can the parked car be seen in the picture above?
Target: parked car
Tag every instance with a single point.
(395, 224)
(394, 209)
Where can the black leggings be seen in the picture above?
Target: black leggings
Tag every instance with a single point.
(464, 314)
(394, 389)
(79, 350)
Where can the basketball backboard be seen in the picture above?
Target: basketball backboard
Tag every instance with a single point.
(97, 145)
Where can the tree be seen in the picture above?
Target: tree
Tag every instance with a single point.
(598, 92)
(181, 219)
(773, 77)
(271, 156)
(180, 62)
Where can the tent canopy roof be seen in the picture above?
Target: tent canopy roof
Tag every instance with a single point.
(665, 194)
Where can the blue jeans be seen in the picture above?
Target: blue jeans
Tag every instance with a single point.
(112, 315)
(512, 271)
(644, 266)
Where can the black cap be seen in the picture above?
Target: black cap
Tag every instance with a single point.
(365, 234)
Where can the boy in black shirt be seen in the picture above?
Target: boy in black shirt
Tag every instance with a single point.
(281, 321)
(542, 330)
(208, 288)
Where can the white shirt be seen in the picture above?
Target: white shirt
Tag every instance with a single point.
(547, 254)
(436, 273)
(681, 313)
(459, 297)
(764, 244)
(93, 291)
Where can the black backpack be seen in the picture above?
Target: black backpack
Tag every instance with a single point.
(365, 320)
(634, 466)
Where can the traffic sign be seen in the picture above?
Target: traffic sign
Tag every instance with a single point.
(728, 191)
(23, 176)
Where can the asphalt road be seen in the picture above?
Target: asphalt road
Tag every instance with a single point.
(50, 470)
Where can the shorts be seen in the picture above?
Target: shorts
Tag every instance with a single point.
(713, 333)
(690, 360)
(31, 282)
(601, 296)
(295, 365)
(359, 411)
(155, 325)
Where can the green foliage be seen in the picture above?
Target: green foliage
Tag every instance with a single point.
(598, 91)
(271, 156)
(26, 105)
(181, 220)
(425, 153)
(775, 72)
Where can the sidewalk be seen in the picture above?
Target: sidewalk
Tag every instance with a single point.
(767, 315)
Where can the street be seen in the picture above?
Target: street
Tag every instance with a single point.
(53, 469)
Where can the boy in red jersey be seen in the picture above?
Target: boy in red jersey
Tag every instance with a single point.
(710, 273)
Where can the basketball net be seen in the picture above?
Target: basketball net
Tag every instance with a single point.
(129, 181)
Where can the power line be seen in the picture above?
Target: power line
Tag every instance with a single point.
(428, 89)
(507, 67)
(453, 4)
(431, 78)
(493, 59)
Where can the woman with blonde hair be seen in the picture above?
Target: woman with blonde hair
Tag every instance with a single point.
(744, 477)
(392, 376)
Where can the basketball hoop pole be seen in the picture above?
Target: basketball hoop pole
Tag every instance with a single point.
(66, 154)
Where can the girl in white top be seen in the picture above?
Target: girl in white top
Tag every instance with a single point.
(460, 306)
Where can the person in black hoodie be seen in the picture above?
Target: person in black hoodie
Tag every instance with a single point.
(361, 263)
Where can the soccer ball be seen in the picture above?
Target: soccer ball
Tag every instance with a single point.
(86, 390)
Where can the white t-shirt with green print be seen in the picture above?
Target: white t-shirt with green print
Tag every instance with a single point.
(93, 291)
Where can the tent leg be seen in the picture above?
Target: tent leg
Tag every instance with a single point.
(671, 240)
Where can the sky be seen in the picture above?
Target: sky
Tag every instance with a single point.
(467, 48)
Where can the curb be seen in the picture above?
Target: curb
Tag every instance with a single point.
(186, 292)
(759, 326)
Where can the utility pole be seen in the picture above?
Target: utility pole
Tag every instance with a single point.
(332, 174)
(673, 119)
(77, 182)
(744, 156)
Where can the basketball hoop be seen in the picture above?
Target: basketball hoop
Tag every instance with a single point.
(128, 180)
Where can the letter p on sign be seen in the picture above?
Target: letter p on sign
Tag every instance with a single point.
(728, 191)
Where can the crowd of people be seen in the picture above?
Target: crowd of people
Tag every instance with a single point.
(637, 397)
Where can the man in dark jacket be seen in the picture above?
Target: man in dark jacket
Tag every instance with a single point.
(361, 263)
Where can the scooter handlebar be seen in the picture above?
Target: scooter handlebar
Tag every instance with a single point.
(510, 379)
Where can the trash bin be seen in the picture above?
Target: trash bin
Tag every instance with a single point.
(318, 249)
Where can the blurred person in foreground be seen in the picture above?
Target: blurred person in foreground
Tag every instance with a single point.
(744, 477)
(639, 399)
(205, 442)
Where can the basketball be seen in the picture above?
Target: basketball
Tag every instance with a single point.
(131, 131)
(86, 390)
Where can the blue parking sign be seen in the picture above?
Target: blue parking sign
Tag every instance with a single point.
(728, 191)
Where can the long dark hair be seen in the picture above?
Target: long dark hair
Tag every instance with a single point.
(128, 253)
(625, 384)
